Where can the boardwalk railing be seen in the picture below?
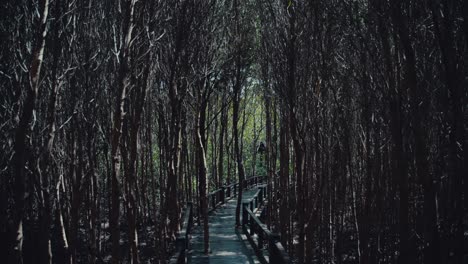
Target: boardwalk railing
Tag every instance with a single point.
(252, 226)
(219, 196)
(182, 239)
(215, 199)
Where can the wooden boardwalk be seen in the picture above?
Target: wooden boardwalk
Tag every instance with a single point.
(227, 244)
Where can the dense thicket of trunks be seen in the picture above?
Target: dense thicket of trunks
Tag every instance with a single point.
(114, 114)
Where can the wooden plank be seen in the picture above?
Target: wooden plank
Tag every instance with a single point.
(226, 242)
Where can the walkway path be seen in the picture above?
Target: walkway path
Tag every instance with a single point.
(228, 244)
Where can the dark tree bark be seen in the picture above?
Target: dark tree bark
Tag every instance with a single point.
(21, 132)
(237, 150)
(444, 29)
(221, 139)
(119, 114)
(45, 166)
(201, 155)
(284, 179)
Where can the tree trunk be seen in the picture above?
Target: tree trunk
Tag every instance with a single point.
(21, 133)
(283, 192)
(269, 155)
(222, 133)
(203, 184)
(119, 114)
(172, 201)
(453, 78)
(235, 133)
(45, 166)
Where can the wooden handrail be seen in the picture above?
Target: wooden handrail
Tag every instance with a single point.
(215, 199)
(219, 196)
(252, 225)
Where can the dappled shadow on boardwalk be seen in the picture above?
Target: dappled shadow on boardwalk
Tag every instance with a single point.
(227, 244)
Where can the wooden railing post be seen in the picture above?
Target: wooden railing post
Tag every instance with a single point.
(181, 243)
(190, 222)
(252, 226)
(251, 218)
(274, 258)
(245, 215)
(260, 195)
(223, 194)
(213, 200)
(260, 239)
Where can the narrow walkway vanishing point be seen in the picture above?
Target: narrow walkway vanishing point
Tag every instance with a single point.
(227, 243)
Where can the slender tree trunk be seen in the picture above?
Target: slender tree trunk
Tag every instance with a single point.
(400, 174)
(418, 105)
(77, 192)
(453, 77)
(269, 155)
(235, 133)
(21, 133)
(163, 143)
(284, 179)
(46, 170)
(203, 184)
(214, 154)
(93, 199)
(119, 114)
(172, 201)
(222, 133)
(132, 207)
